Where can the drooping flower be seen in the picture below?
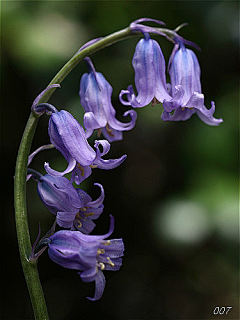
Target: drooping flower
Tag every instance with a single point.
(150, 79)
(73, 208)
(89, 254)
(95, 95)
(68, 136)
(187, 98)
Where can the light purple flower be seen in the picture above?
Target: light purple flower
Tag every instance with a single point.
(89, 254)
(68, 136)
(185, 90)
(95, 95)
(73, 208)
(150, 79)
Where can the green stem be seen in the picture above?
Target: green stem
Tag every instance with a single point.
(29, 268)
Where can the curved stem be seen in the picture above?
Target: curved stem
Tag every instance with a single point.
(29, 268)
(80, 55)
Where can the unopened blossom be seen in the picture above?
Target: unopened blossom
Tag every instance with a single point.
(88, 254)
(73, 208)
(95, 95)
(187, 98)
(150, 79)
(68, 136)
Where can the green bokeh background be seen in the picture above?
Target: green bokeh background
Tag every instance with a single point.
(175, 199)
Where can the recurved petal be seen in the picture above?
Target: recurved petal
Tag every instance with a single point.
(99, 286)
(52, 172)
(105, 145)
(129, 92)
(206, 115)
(96, 203)
(121, 126)
(109, 164)
(208, 118)
(44, 147)
(88, 239)
(106, 164)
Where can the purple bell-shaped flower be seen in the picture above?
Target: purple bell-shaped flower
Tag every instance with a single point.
(185, 90)
(95, 95)
(150, 79)
(68, 136)
(89, 254)
(73, 208)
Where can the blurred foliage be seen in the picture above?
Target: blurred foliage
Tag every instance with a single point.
(175, 199)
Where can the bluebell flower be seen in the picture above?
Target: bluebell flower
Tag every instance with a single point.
(185, 90)
(95, 95)
(150, 79)
(73, 208)
(68, 136)
(89, 254)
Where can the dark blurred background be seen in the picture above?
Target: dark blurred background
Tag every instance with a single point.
(175, 199)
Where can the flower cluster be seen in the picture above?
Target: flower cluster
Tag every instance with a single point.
(182, 97)
(74, 209)
(72, 246)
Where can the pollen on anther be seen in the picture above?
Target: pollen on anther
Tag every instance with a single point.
(101, 265)
(93, 166)
(79, 223)
(106, 243)
(110, 262)
(88, 214)
(100, 251)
